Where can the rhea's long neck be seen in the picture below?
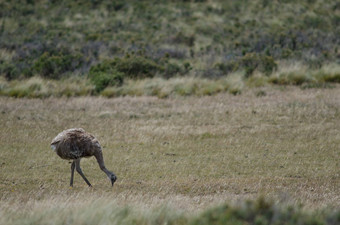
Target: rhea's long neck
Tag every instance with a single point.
(100, 160)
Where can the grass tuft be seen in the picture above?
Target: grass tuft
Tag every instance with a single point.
(36, 87)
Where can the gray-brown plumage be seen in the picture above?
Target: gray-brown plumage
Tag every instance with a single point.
(76, 143)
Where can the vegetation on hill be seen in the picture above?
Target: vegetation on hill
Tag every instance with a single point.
(122, 40)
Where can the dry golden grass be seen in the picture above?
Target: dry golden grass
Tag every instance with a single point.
(288, 73)
(187, 152)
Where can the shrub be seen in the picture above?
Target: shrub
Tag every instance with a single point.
(315, 22)
(180, 38)
(137, 66)
(54, 65)
(103, 79)
(9, 70)
(131, 67)
(263, 63)
(262, 212)
(172, 69)
(227, 67)
(105, 67)
(250, 63)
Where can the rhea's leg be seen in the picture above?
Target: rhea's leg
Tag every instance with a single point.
(72, 173)
(81, 172)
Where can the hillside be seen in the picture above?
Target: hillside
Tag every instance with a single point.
(120, 40)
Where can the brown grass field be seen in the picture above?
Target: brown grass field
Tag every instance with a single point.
(185, 153)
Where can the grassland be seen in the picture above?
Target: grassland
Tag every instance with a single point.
(174, 157)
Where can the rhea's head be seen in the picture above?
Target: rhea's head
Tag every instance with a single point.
(113, 178)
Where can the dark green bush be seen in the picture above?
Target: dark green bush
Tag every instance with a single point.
(55, 65)
(104, 74)
(262, 212)
(180, 38)
(9, 70)
(136, 66)
(172, 69)
(227, 67)
(104, 67)
(251, 62)
(315, 22)
(101, 80)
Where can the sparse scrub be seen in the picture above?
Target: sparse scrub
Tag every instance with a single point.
(66, 39)
(136, 66)
(9, 71)
(54, 66)
(252, 62)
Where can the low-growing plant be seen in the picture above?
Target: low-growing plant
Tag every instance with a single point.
(31, 88)
(262, 212)
(55, 65)
(9, 70)
(172, 69)
(136, 66)
(101, 80)
(291, 78)
(263, 63)
(181, 38)
(130, 66)
(227, 67)
(37, 87)
(329, 77)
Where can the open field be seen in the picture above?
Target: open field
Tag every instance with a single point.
(209, 112)
(185, 153)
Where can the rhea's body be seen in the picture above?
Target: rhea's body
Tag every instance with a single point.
(76, 143)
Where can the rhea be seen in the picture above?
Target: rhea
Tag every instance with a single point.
(76, 143)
